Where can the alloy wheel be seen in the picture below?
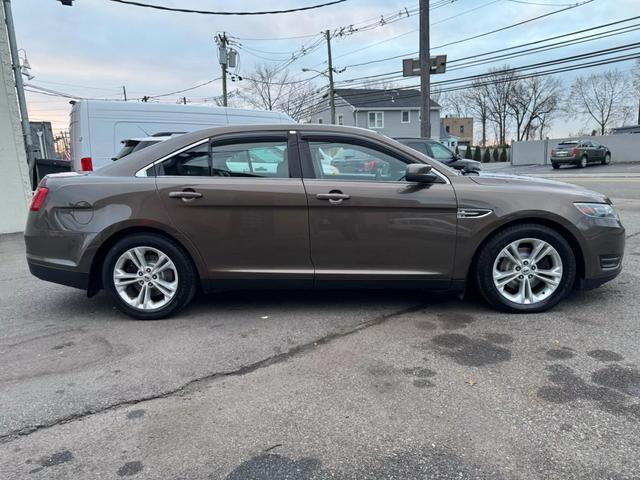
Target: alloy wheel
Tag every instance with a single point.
(145, 278)
(527, 271)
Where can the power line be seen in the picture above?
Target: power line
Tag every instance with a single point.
(477, 80)
(476, 36)
(209, 12)
(480, 56)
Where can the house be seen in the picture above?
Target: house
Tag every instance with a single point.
(460, 127)
(392, 112)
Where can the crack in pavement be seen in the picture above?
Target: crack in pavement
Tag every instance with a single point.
(197, 382)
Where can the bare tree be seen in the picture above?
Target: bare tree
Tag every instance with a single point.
(271, 89)
(497, 87)
(635, 78)
(478, 106)
(532, 103)
(453, 103)
(601, 97)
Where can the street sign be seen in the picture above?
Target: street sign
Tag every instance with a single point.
(411, 66)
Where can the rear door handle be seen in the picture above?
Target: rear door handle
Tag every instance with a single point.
(185, 195)
(334, 198)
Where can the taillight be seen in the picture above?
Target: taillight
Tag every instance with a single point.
(87, 164)
(39, 198)
(553, 151)
(575, 152)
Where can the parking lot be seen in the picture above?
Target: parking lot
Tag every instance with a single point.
(327, 384)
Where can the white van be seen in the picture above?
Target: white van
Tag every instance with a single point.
(98, 127)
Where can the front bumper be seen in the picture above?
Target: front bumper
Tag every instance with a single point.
(59, 275)
(603, 251)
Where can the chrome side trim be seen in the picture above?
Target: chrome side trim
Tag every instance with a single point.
(143, 171)
(474, 212)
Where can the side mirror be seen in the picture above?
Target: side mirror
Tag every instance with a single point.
(420, 173)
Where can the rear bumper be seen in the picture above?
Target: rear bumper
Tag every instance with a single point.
(564, 160)
(58, 275)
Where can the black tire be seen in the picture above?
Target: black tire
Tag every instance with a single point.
(555, 166)
(492, 248)
(187, 274)
(583, 162)
(607, 159)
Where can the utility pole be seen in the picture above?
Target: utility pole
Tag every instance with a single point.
(124, 92)
(17, 73)
(332, 98)
(425, 70)
(223, 54)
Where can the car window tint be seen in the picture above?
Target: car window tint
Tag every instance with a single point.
(440, 152)
(344, 161)
(255, 159)
(419, 146)
(193, 162)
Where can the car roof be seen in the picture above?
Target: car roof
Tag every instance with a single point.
(132, 163)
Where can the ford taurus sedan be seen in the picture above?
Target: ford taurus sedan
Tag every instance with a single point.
(265, 207)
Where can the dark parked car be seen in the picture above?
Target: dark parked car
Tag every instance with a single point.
(441, 153)
(580, 153)
(262, 206)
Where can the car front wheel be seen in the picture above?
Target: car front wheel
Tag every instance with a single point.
(607, 159)
(525, 268)
(149, 276)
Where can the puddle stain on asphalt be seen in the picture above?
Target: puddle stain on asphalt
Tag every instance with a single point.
(139, 413)
(57, 458)
(500, 338)
(611, 390)
(626, 380)
(605, 355)
(269, 466)
(563, 353)
(473, 352)
(433, 463)
(420, 375)
(130, 468)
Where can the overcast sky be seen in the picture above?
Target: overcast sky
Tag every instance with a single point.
(95, 47)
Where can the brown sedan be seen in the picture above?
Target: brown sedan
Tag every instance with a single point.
(267, 206)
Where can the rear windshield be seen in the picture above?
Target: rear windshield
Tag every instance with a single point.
(567, 144)
(128, 147)
(144, 144)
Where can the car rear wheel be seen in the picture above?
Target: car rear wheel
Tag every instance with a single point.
(555, 166)
(149, 276)
(582, 163)
(607, 159)
(526, 269)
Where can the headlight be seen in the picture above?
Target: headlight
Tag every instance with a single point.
(597, 210)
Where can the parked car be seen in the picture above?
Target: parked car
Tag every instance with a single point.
(256, 206)
(579, 153)
(441, 153)
(98, 127)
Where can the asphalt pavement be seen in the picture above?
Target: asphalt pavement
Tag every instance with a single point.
(317, 385)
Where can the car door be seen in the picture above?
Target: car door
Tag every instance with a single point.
(372, 226)
(241, 201)
(598, 151)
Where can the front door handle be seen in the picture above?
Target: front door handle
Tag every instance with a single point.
(334, 197)
(185, 195)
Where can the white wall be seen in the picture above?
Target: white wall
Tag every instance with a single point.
(15, 191)
(623, 147)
